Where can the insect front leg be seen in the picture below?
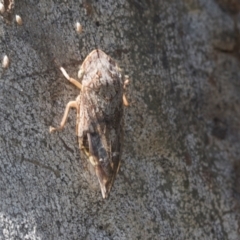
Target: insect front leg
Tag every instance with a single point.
(125, 101)
(72, 104)
(72, 80)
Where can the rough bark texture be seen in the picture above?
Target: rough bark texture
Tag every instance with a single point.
(180, 174)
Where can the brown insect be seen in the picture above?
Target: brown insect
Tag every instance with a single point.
(99, 115)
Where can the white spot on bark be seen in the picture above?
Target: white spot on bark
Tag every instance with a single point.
(2, 8)
(5, 62)
(78, 27)
(19, 20)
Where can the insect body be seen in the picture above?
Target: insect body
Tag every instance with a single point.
(99, 115)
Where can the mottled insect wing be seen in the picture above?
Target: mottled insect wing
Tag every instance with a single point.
(100, 121)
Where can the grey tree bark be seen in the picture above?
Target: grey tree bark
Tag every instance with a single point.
(180, 172)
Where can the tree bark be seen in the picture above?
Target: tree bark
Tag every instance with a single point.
(180, 172)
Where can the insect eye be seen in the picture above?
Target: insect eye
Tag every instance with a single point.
(80, 73)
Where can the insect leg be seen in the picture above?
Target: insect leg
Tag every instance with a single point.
(72, 104)
(125, 101)
(126, 82)
(72, 80)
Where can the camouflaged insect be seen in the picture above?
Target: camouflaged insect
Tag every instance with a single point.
(99, 115)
